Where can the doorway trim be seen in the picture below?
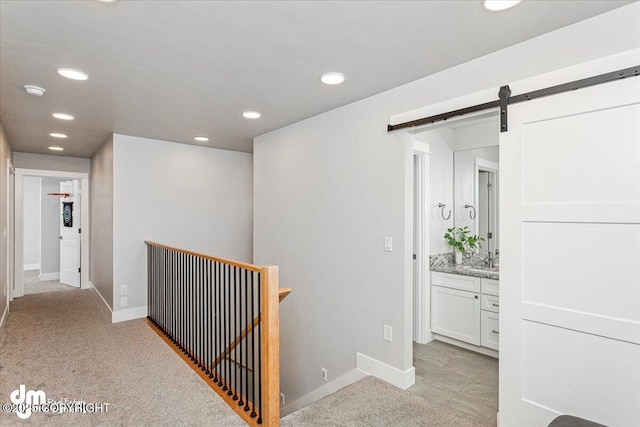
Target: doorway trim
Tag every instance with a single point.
(421, 291)
(18, 241)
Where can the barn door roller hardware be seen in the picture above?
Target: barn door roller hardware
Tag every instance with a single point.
(506, 99)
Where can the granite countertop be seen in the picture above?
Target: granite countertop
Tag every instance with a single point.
(468, 270)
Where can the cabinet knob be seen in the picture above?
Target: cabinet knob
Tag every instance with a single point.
(476, 296)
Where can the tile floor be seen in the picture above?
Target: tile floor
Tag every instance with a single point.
(464, 381)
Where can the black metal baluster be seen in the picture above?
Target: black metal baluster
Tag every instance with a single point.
(219, 323)
(241, 402)
(228, 320)
(201, 363)
(260, 350)
(192, 311)
(196, 311)
(253, 350)
(225, 370)
(209, 312)
(163, 293)
(234, 322)
(246, 339)
(185, 302)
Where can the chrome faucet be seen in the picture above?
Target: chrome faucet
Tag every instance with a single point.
(490, 260)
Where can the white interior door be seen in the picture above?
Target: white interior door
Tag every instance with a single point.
(570, 258)
(70, 234)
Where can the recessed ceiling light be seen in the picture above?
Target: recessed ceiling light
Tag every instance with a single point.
(34, 90)
(201, 138)
(70, 73)
(498, 5)
(54, 148)
(332, 78)
(107, 1)
(58, 135)
(62, 116)
(251, 115)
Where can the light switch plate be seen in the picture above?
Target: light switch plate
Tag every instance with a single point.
(388, 244)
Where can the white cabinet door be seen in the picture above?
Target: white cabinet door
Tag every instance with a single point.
(490, 330)
(570, 227)
(455, 314)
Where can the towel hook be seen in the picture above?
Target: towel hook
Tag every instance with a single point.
(472, 212)
(441, 206)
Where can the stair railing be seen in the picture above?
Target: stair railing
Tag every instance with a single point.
(222, 317)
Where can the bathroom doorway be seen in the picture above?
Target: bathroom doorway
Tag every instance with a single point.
(456, 327)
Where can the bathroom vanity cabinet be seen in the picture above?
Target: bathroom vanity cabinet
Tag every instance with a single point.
(466, 309)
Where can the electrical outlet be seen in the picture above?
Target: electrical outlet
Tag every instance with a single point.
(281, 399)
(123, 301)
(123, 289)
(388, 333)
(325, 374)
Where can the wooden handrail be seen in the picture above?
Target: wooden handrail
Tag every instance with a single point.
(239, 264)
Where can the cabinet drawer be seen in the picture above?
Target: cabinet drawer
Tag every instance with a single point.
(491, 287)
(455, 281)
(490, 330)
(490, 303)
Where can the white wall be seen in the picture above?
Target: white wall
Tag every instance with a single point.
(328, 189)
(5, 255)
(441, 143)
(52, 163)
(50, 226)
(197, 198)
(31, 203)
(101, 208)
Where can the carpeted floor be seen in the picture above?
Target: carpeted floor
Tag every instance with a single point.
(64, 344)
(371, 402)
(33, 284)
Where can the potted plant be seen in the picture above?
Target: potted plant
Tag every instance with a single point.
(462, 241)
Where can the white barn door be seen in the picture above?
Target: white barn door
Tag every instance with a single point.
(570, 257)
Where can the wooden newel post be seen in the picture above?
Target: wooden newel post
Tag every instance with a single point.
(270, 346)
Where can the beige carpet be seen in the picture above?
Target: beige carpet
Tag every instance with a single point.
(62, 343)
(371, 402)
(33, 284)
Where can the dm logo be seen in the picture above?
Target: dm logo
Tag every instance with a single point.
(25, 400)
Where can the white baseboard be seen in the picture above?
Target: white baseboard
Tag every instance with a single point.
(402, 379)
(31, 267)
(97, 293)
(121, 315)
(327, 389)
(50, 276)
(4, 316)
(129, 314)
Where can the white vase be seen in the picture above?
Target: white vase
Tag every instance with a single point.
(458, 257)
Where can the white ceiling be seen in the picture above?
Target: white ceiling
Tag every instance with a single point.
(172, 70)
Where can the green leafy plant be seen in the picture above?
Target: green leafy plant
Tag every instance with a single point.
(461, 240)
